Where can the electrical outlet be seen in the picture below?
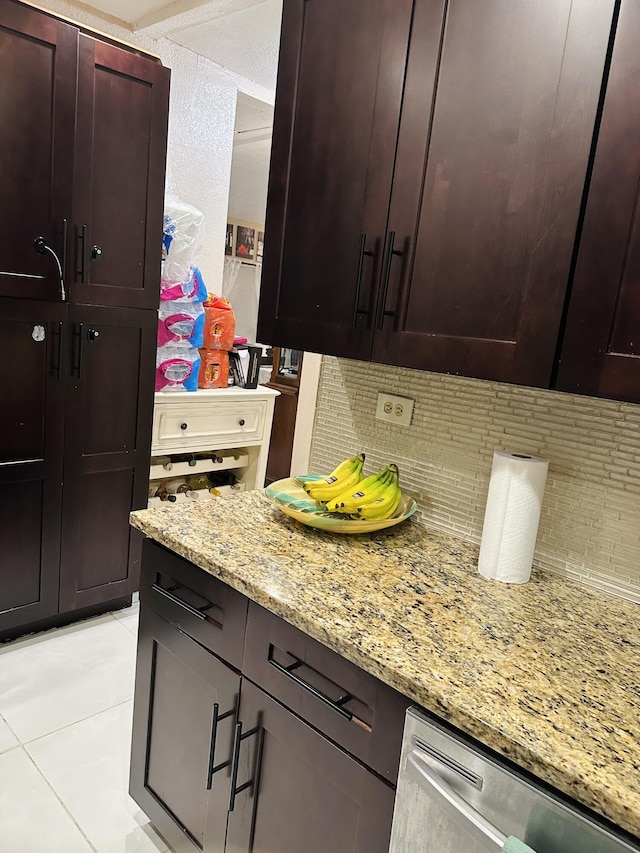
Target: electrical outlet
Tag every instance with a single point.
(395, 410)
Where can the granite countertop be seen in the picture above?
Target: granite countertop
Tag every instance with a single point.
(546, 673)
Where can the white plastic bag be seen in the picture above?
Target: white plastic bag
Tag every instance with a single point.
(181, 238)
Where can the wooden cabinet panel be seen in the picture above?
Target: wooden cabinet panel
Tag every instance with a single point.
(194, 601)
(468, 241)
(277, 783)
(31, 434)
(340, 81)
(348, 705)
(601, 347)
(37, 105)
(485, 242)
(119, 176)
(180, 772)
(109, 408)
(303, 793)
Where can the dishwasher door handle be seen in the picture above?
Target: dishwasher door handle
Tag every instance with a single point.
(465, 815)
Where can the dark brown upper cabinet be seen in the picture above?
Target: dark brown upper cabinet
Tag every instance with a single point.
(120, 154)
(338, 97)
(423, 209)
(601, 345)
(37, 67)
(82, 167)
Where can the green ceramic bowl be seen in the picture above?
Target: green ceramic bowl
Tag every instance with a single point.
(289, 496)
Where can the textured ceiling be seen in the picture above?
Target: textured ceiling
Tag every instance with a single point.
(246, 41)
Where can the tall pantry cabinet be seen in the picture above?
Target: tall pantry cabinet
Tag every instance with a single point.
(82, 163)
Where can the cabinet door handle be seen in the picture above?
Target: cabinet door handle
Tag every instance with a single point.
(57, 365)
(184, 427)
(241, 422)
(480, 829)
(334, 705)
(362, 251)
(390, 252)
(235, 788)
(64, 257)
(216, 717)
(82, 237)
(78, 334)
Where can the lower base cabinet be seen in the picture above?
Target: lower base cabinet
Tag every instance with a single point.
(297, 791)
(177, 743)
(217, 763)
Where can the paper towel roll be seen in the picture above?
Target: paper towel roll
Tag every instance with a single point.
(512, 515)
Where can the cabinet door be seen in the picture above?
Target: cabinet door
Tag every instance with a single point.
(340, 79)
(492, 156)
(37, 105)
(109, 409)
(180, 759)
(31, 441)
(119, 170)
(601, 346)
(303, 792)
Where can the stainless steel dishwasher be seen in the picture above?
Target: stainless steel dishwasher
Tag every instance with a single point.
(453, 797)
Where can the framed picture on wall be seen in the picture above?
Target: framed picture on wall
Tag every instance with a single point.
(245, 240)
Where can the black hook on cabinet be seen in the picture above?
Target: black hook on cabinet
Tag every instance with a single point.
(41, 246)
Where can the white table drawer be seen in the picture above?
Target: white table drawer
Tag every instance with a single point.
(208, 426)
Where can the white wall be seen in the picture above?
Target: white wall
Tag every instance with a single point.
(201, 122)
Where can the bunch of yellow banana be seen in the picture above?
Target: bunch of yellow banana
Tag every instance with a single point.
(375, 497)
(343, 478)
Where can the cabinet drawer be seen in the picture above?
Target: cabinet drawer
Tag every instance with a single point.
(207, 425)
(197, 604)
(353, 708)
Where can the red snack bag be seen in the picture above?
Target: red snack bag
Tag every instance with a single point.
(214, 368)
(219, 324)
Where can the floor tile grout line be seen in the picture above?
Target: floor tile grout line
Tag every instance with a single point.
(76, 722)
(19, 742)
(120, 621)
(61, 801)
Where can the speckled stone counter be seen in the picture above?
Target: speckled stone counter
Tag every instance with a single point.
(547, 673)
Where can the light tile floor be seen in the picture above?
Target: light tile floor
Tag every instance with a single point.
(65, 736)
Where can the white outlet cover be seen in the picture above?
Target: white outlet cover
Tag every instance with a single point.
(401, 409)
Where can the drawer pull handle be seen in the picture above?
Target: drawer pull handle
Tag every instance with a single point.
(217, 716)
(184, 426)
(242, 421)
(175, 600)
(235, 788)
(335, 705)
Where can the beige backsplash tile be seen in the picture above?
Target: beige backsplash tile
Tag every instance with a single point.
(591, 510)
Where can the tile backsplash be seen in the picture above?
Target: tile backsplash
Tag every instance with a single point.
(590, 521)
